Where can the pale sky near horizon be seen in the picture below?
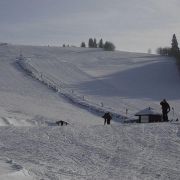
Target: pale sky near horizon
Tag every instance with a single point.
(135, 25)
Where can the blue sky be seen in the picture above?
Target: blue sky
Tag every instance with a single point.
(132, 25)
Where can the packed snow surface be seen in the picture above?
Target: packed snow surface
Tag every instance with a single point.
(42, 85)
(12, 171)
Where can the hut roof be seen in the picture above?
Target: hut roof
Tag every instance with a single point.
(147, 111)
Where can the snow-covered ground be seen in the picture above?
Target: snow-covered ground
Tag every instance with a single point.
(82, 84)
(119, 80)
(12, 171)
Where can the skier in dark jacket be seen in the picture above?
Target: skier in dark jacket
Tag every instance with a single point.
(107, 118)
(165, 109)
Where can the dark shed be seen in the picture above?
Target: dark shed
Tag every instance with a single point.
(149, 115)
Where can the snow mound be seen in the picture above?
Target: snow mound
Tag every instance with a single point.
(9, 170)
(9, 118)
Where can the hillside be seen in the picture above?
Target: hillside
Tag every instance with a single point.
(82, 80)
(119, 80)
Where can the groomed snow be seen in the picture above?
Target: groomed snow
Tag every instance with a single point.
(86, 82)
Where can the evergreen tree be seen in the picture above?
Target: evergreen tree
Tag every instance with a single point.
(159, 50)
(109, 46)
(101, 45)
(94, 43)
(83, 44)
(166, 51)
(90, 43)
(174, 46)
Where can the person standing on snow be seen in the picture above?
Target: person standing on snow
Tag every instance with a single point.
(165, 109)
(107, 118)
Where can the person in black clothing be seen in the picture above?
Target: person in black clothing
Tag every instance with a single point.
(107, 118)
(165, 109)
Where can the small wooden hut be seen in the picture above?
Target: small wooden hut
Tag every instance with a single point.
(148, 115)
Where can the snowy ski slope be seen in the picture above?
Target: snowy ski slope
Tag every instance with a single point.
(119, 80)
(83, 80)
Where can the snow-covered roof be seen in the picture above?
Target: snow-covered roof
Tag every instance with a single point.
(147, 111)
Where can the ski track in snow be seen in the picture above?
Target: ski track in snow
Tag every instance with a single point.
(114, 152)
(10, 170)
(85, 149)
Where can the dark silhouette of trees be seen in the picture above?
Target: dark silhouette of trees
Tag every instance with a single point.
(170, 51)
(94, 43)
(109, 46)
(101, 45)
(174, 47)
(83, 44)
(164, 51)
(91, 43)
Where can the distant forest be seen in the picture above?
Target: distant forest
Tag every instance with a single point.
(92, 43)
(172, 51)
